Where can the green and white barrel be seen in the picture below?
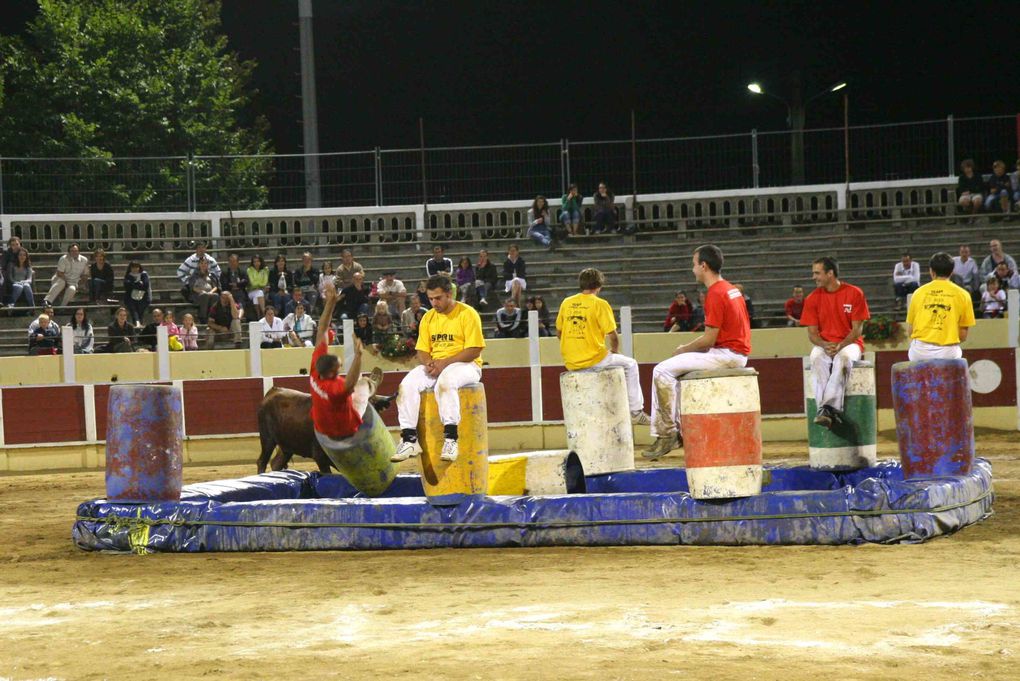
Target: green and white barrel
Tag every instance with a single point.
(853, 444)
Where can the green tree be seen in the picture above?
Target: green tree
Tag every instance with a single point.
(92, 81)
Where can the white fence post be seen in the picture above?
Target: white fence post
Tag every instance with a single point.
(348, 325)
(535, 360)
(163, 352)
(1013, 316)
(255, 349)
(67, 343)
(626, 332)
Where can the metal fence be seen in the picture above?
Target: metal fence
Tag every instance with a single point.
(387, 177)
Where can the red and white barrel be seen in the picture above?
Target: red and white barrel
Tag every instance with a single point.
(720, 414)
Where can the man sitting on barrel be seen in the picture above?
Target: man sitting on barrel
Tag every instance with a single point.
(449, 348)
(940, 315)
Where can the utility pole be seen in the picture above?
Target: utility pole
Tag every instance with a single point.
(309, 109)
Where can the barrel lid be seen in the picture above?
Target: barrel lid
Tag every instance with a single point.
(863, 364)
(717, 373)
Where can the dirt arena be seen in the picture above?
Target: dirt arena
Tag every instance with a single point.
(948, 609)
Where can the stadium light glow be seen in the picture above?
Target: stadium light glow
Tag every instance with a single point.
(838, 86)
(755, 88)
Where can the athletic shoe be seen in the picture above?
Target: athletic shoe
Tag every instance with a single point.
(639, 418)
(483, 302)
(376, 377)
(823, 418)
(405, 451)
(450, 451)
(836, 416)
(662, 446)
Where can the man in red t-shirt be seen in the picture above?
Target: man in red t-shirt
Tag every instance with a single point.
(725, 344)
(834, 315)
(794, 307)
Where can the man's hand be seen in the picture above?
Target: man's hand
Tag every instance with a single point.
(832, 349)
(358, 347)
(435, 367)
(329, 292)
(680, 349)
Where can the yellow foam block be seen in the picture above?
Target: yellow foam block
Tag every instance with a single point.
(450, 483)
(555, 471)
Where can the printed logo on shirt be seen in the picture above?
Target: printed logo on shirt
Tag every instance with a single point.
(734, 294)
(848, 307)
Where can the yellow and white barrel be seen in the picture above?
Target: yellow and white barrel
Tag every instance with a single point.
(854, 443)
(448, 484)
(596, 415)
(554, 471)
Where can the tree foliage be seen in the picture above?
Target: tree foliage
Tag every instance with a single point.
(101, 80)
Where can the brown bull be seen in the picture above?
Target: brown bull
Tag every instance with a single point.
(285, 421)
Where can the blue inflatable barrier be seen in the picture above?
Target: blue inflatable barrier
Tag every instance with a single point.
(291, 510)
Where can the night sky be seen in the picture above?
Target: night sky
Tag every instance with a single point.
(490, 72)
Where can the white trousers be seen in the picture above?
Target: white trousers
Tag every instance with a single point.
(359, 400)
(665, 405)
(921, 350)
(451, 379)
(58, 286)
(630, 374)
(830, 374)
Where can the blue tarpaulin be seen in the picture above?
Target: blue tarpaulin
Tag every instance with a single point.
(292, 510)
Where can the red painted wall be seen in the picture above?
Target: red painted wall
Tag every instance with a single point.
(44, 414)
(222, 406)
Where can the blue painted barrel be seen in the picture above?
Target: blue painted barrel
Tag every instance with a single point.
(934, 420)
(144, 443)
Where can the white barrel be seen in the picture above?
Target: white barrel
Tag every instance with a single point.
(852, 444)
(596, 415)
(720, 412)
(546, 472)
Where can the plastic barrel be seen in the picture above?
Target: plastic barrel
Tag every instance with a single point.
(364, 458)
(596, 416)
(448, 484)
(853, 444)
(720, 412)
(934, 421)
(144, 443)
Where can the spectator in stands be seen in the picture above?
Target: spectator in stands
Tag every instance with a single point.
(100, 278)
(297, 297)
(120, 333)
(235, 280)
(306, 278)
(422, 295)
(544, 323)
(137, 294)
(515, 273)
(325, 277)
(993, 300)
(300, 327)
(794, 306)
(224, 320)
(45, 340)
(509, 321)
(749, 304)
(906, 278)
(281, 280)
(570, 210)
(486, 277)
(147, 339)
(465, 280)
(966, 273)
(189, 332)
(204, 287)
(81, 327)
(188, 268)
(1007, 278)
(539, 227)
(995, 256)
(72, 268)
(605, 210)
(411, 318)
(698, 316)
(48, 311)
(173, 332)
(18, 280)
(272, 329)
(363, 329)
(438, 263)
(7, 260)
(1014, 181)
(678, 317)
(382, 324)
(258, 283)
(969, 188)
(346, 270)
(354, 299)
(999, 187)
(392, 292)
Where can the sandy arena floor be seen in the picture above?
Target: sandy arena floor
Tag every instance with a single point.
(949, 609)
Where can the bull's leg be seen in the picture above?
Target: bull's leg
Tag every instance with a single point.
(322, 460)
(268, 445)
(281, 460)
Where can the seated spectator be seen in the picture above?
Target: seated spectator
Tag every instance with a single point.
(515, 273)
(137, 294)
(224, 321)
(999, 189)
(1007, 278)
(235, 281)
(906, 278)
(969, 188)
(204, 287)
(993, 300)
(570, 210)
(81, 327)
(678, 317)
(306, 280)
(297, 297)
(300, 327)
(749, 304)
(486, 277)
(45, 340)
(966, 273)
(189, 332)
(465, 280)
(509, 321)
(189, 267)
(605, 210)
(147, 339)
(48, 311)
(18, 280)
(1014, 181)
(173, 332)
(411, 318)
(72, 269)
(392, 292)
(346, 270)
(363, 329)
(539, 228)
(995, 256)
(281, 281)
(258, 283)
(698, 316)
(325, 277)
(438, 263)
(354, 299)
(794, 306)
(544, 323)
(100, 279)
(7, 260)
(120, 333)
(272, 329)
(382, 325)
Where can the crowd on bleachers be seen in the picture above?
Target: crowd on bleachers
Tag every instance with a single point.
(1000, 193)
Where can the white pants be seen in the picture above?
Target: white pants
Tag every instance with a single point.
(665, 405)
(451, 379)
(921, 350)
(830, 374)
(630, 374)
(58, 286)
(359, 400)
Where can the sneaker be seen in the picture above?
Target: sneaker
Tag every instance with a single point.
(406, 450)
(662, 446)
(483, 302)
(376, 377)
(836, 416)
(450, 451)
(823, 418)
(639, 418)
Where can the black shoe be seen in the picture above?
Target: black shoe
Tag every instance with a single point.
(823, 418)
(837, 418)
(381, 402)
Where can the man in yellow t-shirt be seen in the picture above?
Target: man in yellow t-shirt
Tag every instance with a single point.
(940, 315)
(584, 323)
(449, 348)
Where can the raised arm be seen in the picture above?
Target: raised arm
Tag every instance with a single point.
(328, 303)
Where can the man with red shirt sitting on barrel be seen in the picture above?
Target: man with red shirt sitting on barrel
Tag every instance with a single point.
(834, 315)
(725, 344)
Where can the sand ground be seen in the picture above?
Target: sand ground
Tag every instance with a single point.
(948, 609)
